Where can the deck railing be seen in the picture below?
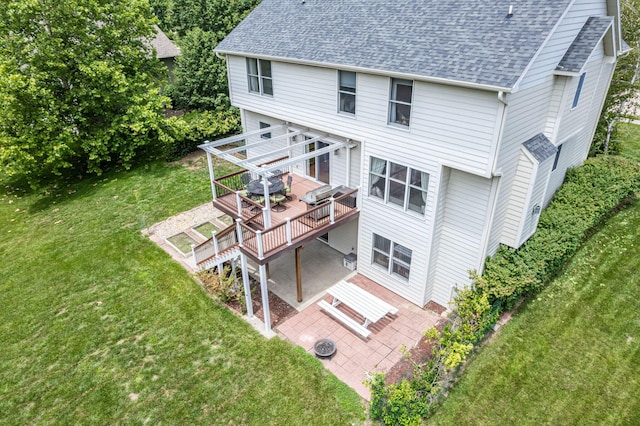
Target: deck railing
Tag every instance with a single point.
(262, 243)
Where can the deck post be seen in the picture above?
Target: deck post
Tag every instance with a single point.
(332, 211)
(260, 247)
(214, 240)
(193, 253)
(299, 273)
(287, 229)
(211, 175)
(239, 203)
(247, 285)
(265, 298)
(239, 232)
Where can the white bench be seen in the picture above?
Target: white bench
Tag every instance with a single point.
(344, 318)
(362, 302)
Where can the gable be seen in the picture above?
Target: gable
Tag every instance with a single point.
(585, 42)
(473, 41)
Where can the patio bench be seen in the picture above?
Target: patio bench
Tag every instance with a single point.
(344, 318)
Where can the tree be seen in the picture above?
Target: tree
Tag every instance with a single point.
(79, 85)
(200, 76)
(622, 100)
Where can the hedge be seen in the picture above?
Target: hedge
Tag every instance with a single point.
(590, 193)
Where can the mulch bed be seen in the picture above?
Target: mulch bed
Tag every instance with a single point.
(420, 354)
(279, 309)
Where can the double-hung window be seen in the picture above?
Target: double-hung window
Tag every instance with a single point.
(259, 76)
(393, 257)
(397, 184)
(400, 101)
(576, 97)
(347, 92)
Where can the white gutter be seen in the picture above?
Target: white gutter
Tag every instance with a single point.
(406, 76)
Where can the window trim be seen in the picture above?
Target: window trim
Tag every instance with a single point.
(392, 260)
(576, 97)
(557, 158)
(346, 92)
(260, 77)
(387, 179)
(394, 102)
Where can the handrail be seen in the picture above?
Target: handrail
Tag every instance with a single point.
(261, 242)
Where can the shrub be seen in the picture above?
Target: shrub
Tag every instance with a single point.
(194, 128)
(407, 402)
(588, 195)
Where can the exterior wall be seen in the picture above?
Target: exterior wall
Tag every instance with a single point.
(345, 238)
(567, 29)
(466, 200)
(518, 200)
(409, 229)
(536, 198)
(453, 126)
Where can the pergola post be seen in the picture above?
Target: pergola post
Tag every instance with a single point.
(211, 175)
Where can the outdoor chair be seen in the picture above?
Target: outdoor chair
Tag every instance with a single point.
(277, 199)
(287, 188)
(245, 178)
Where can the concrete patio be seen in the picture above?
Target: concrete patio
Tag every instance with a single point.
(322, 267)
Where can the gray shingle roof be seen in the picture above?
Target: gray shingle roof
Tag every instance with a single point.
(540, 147)
(164, 47)
(471, 41)
(584, 43)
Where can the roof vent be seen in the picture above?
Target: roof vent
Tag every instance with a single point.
(510, 14)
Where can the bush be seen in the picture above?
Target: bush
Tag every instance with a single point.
(194, 128)
(588, 196)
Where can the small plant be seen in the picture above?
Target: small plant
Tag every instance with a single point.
(408, 402)
(226, 286)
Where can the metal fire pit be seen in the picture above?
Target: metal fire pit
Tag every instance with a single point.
(324, 348)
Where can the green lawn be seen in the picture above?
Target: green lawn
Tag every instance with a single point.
(99, 326)
(630, 134)
(572, 354)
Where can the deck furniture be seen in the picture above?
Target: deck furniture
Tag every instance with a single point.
(364, 303)
(257, 186)
(277, 199)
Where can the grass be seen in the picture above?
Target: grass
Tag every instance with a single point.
(100, 326)
(182, 242)
(629, 133)
(206, 229)
(572, 354)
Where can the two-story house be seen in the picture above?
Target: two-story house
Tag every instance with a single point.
(451, 122)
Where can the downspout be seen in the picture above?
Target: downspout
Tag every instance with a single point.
(495, 185)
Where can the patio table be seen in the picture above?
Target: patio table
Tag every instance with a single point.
(366, 304)
(257, 186)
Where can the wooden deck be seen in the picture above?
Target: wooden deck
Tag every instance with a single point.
(289, 228)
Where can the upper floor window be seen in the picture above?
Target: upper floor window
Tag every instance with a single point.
(347, 92)
(393, 257)
(397, 184)
(576, 97)
(259, 76)
(555, 160)
(400, 101)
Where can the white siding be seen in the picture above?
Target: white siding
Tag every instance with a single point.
(409, 229)
(453, 126)
(460, 235)
(518, 199)
(536, 199)
(556, 46)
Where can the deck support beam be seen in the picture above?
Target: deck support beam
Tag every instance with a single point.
(265, 298)
(299, 273)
